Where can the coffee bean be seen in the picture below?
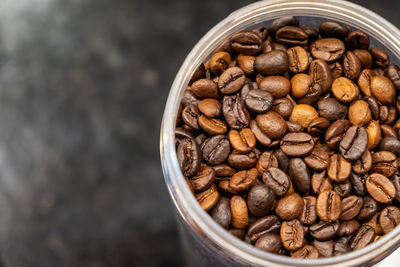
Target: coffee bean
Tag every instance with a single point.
(380, 188)
(374, 134)
(298, 59)
(354, 143)
(219, 62)
(319, 183)
(364, 236)
(225, 189)
(331, 109)
(243, 141)
(282, 22)
(182, 133)
(374, 223)
(289, 207)
(336, 69)
(318, 126)
(359, 113)
(321, 74)
(351, 207)
(275, 62)
(215, 150)
(243, 180)
(348, 227)
(335, 133)
(239, 233)
(383, 89)
(269, 242)
(212, 126)
(258, 101)
(325, 248)
(357, 39)
(365, 58)
(338, 168)
(231, 80)
(389, 218)
(393, 73)
(328, 206)
(283, 107)
(333, 30)
(242, 161)
(297, 144)
(190, 116)
(221, 213)
(300, 175)
(292, 235)
(351, 65)
(364, 81)
(205, 88)
(324, 230)
(240, 217)
(391, 144)
(317, 160)
(396, 182)
(344, 90)
(387, 131)
(235, 112)
(385, 162)
(203, 179)
(277, 180)
(199, 73)
(368, 210)
(277, 86)
(260, 200)
(246, 42)
(328, 49)
(210, 107)
(209, 198)
(343, 189)
(189, 98)
(309, 212)
(306, 252)
(300, 84)
(303, 114)
(189, 157)
(341, 246)
(381, 58)
(290, 35)
(313, 95)
(387, 114)
(271, 124)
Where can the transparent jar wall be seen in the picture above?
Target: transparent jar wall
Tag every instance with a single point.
(206, 243)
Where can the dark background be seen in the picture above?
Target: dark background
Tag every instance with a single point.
(83, 85)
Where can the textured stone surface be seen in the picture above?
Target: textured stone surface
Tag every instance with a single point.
(82, 89)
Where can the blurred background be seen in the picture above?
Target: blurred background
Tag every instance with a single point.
(83, 85)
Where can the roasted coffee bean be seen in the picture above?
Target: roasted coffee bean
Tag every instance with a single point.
(393, 73)
(283, 107)
(300, 175)
(247, 87)
(317, 160)
(181, 133)
(311, 32)
(338, 168)
(364, 164)
(205, 88)
(300, 84)
(269, 242)
(391, 144)
(199, 73)
(262, 32)
(306, 252)
(221, 213)
(381, 58)
(373, 106)
(325, 248)
(239, 233)
(374, 134)
(319, 183)
(210, 107)
(309, 213)
(293, 127)
(271, 124)
(336, 69)
(359, 113)
(297, 144)
(351, 207)
(235, 112)
(387, 114)
(358, 182)
(331, 109)
(246, 42)
(258, 101)
(212, 126)
(267, 159)
(261, 137)
(231, 80)
(303, 114)
(240, 217)
(264, 225)
(189, 157)
(343, 189)
(219, 62)
(242, 161)
(328, 49)
(224, 170)
(200, 139)
(364, 236)
(357, 39)
(189, 98)
(341, 246)
(290, 35)
(203, 179)
(324, 230)
(215, 150)
(374, 223)
(365, 58)
(348, 227)
(354, 143)
(321, 74)
(335, 133)
(380, 188)
(351, 65)
(364, 81)
(368, 210)
(389, 218)
(190, 116)
(328, 206)
(385, 162)
(289, 207)
(387, 131)
(275, 62)
(209, 198)
(344, 90)
(225, 189)
(313, 95)
(298, 59)
(243, 141)
(277, 180)
(292, 235)
(277, 86)
(333, 29)
(243, 180)
(282, 22)
(318, 126)
(260, 200)
(283, 160)
(396, 182)
(383, 89)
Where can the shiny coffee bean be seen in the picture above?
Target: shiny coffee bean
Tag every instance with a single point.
(385, 162)
(368, 210)
(381, 58)
(219, 62)
(264, 225)
(300, 84)
(272, 124)
(335, 133)
(290, 35)
(283, 160)
(313, 95)
(389, 218)
(242, 161)
(209, 198)
(328, 49)
(292, 235)
(364, 236)
(318, 126)
(277, 86)
(364, 81)
(374, 134)
(358, 183)
(324, 230)
(221, 213)
(235, 112)
(269, 242)
(190, 116)
(239, 210)
(258, 101)
(318, 160)
(215, 150)
(391, 144)
(331, 29)
(300, 175)
(212, 126)
(205, 88)
(328, 206)
(359, 113)
(210, 107)
(344, 90)
(278, 23)
(297, 144)
(365, 58)
(321, 74)
(277, 180)
(224, 170)
(199, 73)
(303, 114)
(243, 141)
(182, 133)
(309, 213)
(325, 248)
(231, 80)
(243, 180)
(320, 183)
(357, 39)
(261, 137)
(203, 179)
(354, 143)
(298, 59)
(246, 42)
(260, 200)
(383, 89)
(283, 107)
(343, 189)
(363, 164)
(351, 66)
(331, 109)
(189, 98)
(387, 131)
(275, 62)
(338, 168)
(373, 106)
(380, 188)
(348, 227)
(289, 207)
(189, 157)
(306, 252)
(351, 207)
(374, 223)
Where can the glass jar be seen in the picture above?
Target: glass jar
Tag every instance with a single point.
(204, 242)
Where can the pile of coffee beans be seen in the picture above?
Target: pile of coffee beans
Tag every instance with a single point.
(288, 136)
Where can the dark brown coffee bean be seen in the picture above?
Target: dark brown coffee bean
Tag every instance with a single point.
(283, 107)
(205, 88)
(348, 227)
(365, 58)
(368, 210)
(391, 144)
(277, 86)
(260, 200)
(189, 157)
(293, 127)
(336, 69)
(283, 160)
(292, 235)
(300, 175)
(333, 29)
(328, 206)
(325, 248)
(297, 144)
(224, 188)
(381, 58)
(262, 32)
(343, 189)
(271, 124)
(341, 246)
(321, 74)
(277, 180)
(396, 182)
(258, 101)
(261, 137)
(373, 106)
(243, 141)
(318, 126)
(364, 236)
(374, 223)
(354, 143)
(385, 162)
(328, 49)
(382, 88)
(389, 218)
(203, 179)
(290, 35)
(344, 90)
(351, 66)
(364, 164)
(358, 183)
(210, 107)
(357, 39)
(289, 207)
(242, 161)
(380, 188)
(338, 168)
(282, 22)
(243, 180)
(298, 59)
(317, 160)
(335, 133)
(309, 213)
(306, 252)
(393, 73)
(331, 109)
(275, 62)
(267, 159)
(239, 233)
(231, 80)
(182, 133)
(311, 32)
(364, 81)
(235, 112)
(324, 230)
(200, 139)
(190, 116)
(189, 98)
(239, 210)
(223, 170)
(209, 198)
(221, 213)
(351, 207)
(215, 149)
(212, 126)
(319, 183)
(264, 225)
(313, 95)
(246, 42)
(269, 242)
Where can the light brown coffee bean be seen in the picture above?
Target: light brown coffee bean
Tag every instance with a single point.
(243, 141)
(374, 134)
(364, 81)
(210, 107)
(380, 188)
(243, 180)
(292, 235)
(359, 113)
(328, 206)
(212, 126)
(219, 62)
(271, 124)
(338, 168)
(344, 90)
(298, 59)
(383, 89)
(240, 216)
(277, 86)
(303, 114)
(289, 207)
(205, 88)
(209, 198)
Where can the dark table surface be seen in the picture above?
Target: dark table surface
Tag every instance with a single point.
(82, 89)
